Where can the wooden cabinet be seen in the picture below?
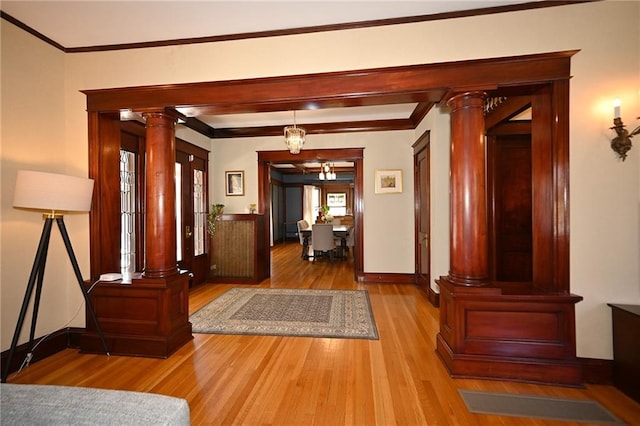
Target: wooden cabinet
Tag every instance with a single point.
(626, 349)
(237, 252)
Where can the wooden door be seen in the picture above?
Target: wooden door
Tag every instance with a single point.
(191, 211)
(511, 208)
(422, 212)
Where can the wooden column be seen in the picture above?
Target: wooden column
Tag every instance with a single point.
(160, 218)
(469, 250)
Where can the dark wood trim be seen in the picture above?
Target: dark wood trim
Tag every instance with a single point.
(52, 344)
(199, 126)
(318, 128)
(597, 371)
(511, 107)
(420, 112)
(104, 219)
(306, 155)
(4, 15)
(560, 178)
(266, 158)
(521, 127)
(294, 31)
(385, 277)
(378, 86)
(434, 297)
(422, 182)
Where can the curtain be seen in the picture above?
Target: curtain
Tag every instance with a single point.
(307, 204)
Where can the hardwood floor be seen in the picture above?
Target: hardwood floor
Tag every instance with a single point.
(252, 380)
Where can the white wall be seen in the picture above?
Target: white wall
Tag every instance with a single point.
(604, 196)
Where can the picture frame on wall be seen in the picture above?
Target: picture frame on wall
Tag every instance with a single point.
(388, 181)
(234, 182)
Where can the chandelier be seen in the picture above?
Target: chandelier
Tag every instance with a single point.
(327, 172)
(294, 137)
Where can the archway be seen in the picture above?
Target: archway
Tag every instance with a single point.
(266, 158)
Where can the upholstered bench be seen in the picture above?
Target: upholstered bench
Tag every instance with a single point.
(66, 405)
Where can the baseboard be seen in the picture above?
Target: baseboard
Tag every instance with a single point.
(52, 344)
(390, 278)
(434, 297)
(597, 371)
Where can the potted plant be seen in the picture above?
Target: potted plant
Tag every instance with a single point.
(213, 216)
(324, 214)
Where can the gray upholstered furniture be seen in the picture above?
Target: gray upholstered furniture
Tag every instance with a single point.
(322, 240)
(65, 405)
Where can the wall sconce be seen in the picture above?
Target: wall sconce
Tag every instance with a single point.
(621, 144)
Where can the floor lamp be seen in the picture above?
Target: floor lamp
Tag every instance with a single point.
(52, 193)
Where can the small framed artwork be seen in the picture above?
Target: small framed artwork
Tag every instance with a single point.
(234, 182)
(388, 181)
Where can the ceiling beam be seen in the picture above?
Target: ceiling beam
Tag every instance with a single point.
(317, 128)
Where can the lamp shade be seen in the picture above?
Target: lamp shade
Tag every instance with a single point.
(52, 192)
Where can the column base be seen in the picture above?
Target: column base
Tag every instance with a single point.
(527, 336)
(149, 317)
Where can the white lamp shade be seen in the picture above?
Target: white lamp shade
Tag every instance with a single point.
(52, 192)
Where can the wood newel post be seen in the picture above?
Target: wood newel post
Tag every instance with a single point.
(160, 220)
(469, 245)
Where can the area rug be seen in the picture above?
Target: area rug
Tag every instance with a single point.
(288, 312)
(571, 410)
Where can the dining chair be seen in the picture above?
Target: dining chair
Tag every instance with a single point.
(302, 224)
(323, 242)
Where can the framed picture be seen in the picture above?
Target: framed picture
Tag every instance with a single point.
(234, 182)
(388, 181)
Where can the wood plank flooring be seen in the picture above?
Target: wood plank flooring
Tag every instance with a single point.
(264, 380)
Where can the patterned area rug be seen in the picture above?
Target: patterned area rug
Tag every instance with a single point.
(551, 408)
(288, 312)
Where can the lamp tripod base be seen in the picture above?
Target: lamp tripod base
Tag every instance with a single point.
(35, 282)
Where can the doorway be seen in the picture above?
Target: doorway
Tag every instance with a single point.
(192, 239)
(422, 184)
(355, 155)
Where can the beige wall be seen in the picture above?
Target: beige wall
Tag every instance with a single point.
(605, 193)
(388, 221)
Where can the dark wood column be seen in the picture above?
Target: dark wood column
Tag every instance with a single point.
(160, 220)
(469, 250)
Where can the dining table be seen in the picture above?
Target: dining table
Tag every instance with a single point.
(339, 231)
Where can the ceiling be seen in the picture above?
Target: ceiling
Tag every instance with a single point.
(75, 26)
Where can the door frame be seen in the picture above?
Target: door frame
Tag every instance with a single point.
(423, 144)
(199, 264)
(355, 155)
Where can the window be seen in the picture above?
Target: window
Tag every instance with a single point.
(337, 202)
(179, 236)
(128, 211)
(199, 212)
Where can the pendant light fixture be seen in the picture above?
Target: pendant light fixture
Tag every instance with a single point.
(294, 137)
(327, 172)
